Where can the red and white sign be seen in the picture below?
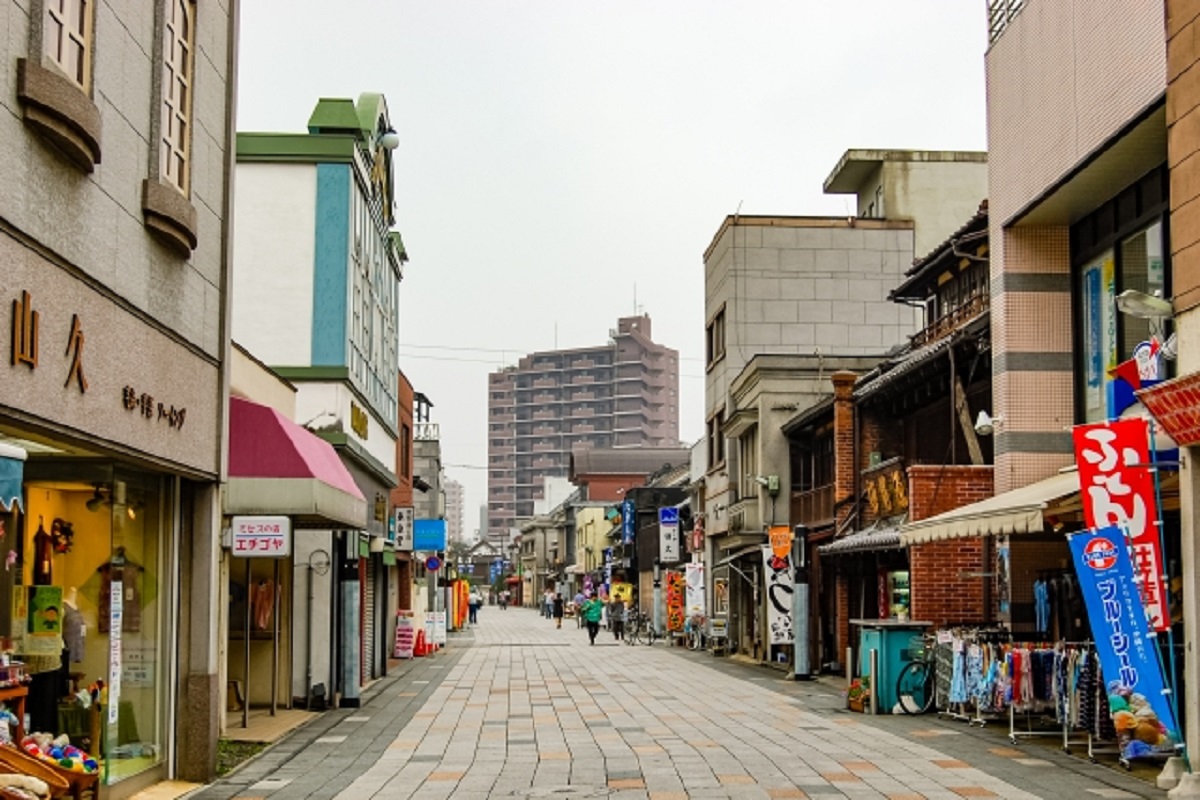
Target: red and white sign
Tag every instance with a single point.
(1100, 553)
(261, 537)
(1118, 489)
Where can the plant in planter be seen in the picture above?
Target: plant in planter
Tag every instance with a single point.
(856, 693)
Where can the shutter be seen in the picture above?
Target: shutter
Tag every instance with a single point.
(369, 616)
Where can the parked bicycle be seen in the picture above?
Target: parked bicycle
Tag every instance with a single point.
(693, 631)
(639, 629)
(915, 686)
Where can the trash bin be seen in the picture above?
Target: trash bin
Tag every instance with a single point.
(892, 639)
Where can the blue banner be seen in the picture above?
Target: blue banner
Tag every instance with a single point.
(429, 534)
(628, 515)
(1129, 663)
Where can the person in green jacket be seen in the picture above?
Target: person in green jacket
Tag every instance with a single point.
(593, 610)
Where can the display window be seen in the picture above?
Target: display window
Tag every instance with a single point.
(88, 610)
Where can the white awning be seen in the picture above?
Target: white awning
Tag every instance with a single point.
(1018, 511)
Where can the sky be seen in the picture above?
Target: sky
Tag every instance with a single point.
(564, 163)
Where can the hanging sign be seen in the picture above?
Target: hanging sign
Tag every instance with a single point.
(668, 535)
(1129, 665)
(781, 540)
(628, 515)
(778, 575)
(675, 600)
(261, 537)
(1118, 490)
(695, 588)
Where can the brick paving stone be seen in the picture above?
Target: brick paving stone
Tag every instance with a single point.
(517, 707)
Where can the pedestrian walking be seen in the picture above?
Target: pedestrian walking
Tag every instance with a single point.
(616, 618)
(557, 608)
(579, 600)
(548, 604)
(593, 610)
(504, 600)
(474, 600)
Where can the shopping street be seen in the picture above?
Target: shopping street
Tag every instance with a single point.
(517, 708)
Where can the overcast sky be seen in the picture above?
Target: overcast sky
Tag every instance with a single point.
(563, 163)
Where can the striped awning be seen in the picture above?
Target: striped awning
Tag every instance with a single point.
(12, 476)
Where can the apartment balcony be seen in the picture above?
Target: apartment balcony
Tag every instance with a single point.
(545, 383)
(546, 397)
(813, 508)
(544, 415)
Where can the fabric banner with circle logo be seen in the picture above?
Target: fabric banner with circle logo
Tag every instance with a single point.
(1129, 665)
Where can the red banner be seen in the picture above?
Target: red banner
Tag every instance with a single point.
(1118, 489)
(676, 586)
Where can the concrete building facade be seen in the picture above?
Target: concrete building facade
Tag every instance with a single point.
(113, 403)
(621, 394)
(454, 511)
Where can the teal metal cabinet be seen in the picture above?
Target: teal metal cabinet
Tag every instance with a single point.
(893, 641)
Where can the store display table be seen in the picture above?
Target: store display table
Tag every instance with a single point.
(14, 697)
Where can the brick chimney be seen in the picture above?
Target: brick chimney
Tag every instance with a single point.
(844, 467)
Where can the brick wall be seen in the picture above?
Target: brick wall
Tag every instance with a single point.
(940, 593)
(842, 603)
(845, 469)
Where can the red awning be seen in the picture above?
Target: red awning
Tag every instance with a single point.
(511, 579)
(278, 467)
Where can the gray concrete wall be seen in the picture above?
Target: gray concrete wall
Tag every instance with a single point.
(937, 196)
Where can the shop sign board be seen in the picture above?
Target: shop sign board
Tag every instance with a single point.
(439, 627)
(261, 537)
(1129, 661)
(628, 517)
(403, 528)
(668, 541)
(405, 635)
(1118, 490)
(429, 534)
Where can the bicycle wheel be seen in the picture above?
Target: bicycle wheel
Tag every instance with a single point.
(633, 632)
(649, 634)
(914, 689)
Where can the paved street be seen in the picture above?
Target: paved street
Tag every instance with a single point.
(516, 708)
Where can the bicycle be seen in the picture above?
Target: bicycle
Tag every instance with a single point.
(693, 631)
(915, 686)
(639, 629)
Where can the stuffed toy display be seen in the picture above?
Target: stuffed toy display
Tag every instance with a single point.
(59, 752)
(23, 787)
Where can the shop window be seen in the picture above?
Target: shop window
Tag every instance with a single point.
(91, 549)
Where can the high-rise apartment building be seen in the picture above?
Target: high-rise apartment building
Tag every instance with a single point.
(454, 510)
(624, 393)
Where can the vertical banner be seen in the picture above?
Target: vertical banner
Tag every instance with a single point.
(675, 593)
(694, 597)
(1117, 490)
(628, 520)
(1128, 663)
(779, 581)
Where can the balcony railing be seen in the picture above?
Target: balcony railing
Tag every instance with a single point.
(1000, 14)
(813, 506)
(945, 325)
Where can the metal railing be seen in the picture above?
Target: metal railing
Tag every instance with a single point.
(1000, 14)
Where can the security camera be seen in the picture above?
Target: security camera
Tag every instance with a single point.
(761, 480)
(985, 424)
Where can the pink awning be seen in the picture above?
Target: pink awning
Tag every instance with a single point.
(278, 467)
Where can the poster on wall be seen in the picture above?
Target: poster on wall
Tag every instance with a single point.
(675, 593)
(779, 578)
(694, 599)
(1141, 713)
(116, 617)
(622, 592)
(1118, 490)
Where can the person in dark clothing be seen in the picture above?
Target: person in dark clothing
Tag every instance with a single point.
(557, 610)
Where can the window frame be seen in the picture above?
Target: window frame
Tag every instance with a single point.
(169, 110)
(87, 12)
(714, 338)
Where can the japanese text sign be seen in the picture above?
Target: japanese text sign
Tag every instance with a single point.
(1118, 490)
(1133, 678)
(261, 537)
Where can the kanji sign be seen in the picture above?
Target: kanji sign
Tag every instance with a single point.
(261, 537)
(1118, 490)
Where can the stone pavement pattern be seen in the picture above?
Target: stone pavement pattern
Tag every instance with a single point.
(520, 709)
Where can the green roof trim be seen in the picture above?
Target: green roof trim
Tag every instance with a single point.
(334, 115)
(370, 105)
(297, 147)
(301, 374)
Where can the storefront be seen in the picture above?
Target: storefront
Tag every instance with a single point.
(287, 601)
(121, 422)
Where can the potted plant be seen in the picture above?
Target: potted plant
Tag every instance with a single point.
(856, 693)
